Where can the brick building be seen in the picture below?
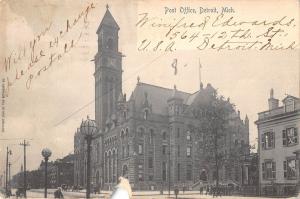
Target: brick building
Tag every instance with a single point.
(278, 146)
(151, 138)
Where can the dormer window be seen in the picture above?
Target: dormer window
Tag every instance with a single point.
(289, 105)
(125, 115)
(146, 114)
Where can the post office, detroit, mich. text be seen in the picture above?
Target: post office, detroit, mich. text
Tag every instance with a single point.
(198, 10)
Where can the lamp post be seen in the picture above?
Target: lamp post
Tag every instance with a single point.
(89, 129)
(46, 153)
(8, 152)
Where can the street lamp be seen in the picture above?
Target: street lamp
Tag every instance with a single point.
(8, 152)
(46, 153)
(89, 129)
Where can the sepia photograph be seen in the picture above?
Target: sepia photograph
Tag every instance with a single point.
(137, 99)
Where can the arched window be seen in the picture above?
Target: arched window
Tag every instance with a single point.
(98, 152)
(125, 171)
(106, 168)
(122, 134)
(164, 135)
(127, 132)
(141, 131)
(151, 136)
(114, 166)
(203, 175)
(146, 114)
(110, 44)
(109, 166)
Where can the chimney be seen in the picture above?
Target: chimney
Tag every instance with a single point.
(273, 103)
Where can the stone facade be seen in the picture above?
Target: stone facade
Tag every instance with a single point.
(79, 159)
(278, 143)
(152, 137)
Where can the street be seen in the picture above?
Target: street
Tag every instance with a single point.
(39, 193)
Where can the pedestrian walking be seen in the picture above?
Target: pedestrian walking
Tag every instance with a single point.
(58, 193)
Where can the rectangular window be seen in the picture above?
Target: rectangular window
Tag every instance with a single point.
(236, 172)
(178, 150)
(178, 172)
(150, 162)
(289, 167)
(127, 150)
(140, 149)
(123, 151)
(290, 136)
(188, 136)
(268, 140)
(236, 142)
(141, 177)
(164, 149)
(164, 171)
(151, 136)
(189, 172)
(178, 132)
(269, 170)
(263, 170)
(150, 177)
(188, 151)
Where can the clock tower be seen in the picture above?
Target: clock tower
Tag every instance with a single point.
(108, 70)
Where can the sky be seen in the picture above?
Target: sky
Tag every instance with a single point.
(48, 114)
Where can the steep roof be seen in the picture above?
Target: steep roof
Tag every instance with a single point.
(157, 96)
(290, 97)
(108, 20)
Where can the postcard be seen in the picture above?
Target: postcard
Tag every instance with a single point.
(149, 99)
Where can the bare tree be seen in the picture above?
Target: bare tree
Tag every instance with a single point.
(213, 113)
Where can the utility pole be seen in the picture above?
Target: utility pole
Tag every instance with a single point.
(4, 174)
(169, 165)
(8, 152)
(25, 144)
(6, 170)
(9, 180)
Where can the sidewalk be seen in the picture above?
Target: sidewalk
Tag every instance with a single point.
(149, 195)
